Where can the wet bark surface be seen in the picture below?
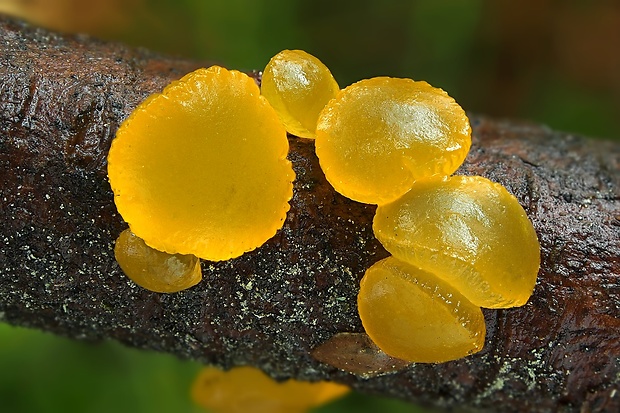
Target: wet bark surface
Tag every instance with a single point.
(61, 101)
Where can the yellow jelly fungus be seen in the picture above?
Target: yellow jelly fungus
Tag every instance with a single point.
(469, 231)
(201, 168)
(380, 135)
(247, 389)
(298, 85)
(412, 315)
(155, 270)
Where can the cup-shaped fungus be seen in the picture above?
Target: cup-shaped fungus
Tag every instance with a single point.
(469, 231)
(247, 389)
(155, 270)
(298, 86)
(413, 315)
(201, 168)
(380, 135)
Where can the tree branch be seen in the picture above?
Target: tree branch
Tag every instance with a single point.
(61, 101)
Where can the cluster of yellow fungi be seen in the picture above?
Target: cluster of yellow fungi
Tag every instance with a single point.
(200, 171)
(459, 243)
(247, 389)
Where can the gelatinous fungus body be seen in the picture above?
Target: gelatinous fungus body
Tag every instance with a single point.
(298, 86)
(380, 135)
(155, 270)
(469, 231)
(412, 315)
(247, 389)
(357, 354)
(201, 168)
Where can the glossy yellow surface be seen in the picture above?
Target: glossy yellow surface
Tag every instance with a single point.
(247, 389)
(380, 135)
(413, 315)
(201, 168)
(298, 85)
(469, 231)
(155, 270)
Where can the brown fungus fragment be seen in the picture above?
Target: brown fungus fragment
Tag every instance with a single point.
(357, 354)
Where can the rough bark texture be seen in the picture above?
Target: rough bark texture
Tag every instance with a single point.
(61, 100)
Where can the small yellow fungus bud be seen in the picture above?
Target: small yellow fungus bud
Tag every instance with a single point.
(470, 232)
(155, 270)
(380, 135)
(298, 86)
(201, 168)
(247, 389)
(412, 315)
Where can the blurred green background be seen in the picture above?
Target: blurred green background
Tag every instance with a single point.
(555, 62)
(550, 61)
(41, 373)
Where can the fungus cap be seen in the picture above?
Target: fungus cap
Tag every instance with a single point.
(155, 270)
(298, 86)
(380, 135)
(469, 231)
(247, 389)
(413, 315)
(201, 168)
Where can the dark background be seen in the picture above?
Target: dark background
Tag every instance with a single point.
(550, 61)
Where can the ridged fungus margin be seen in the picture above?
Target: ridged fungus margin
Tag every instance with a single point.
(201, 168)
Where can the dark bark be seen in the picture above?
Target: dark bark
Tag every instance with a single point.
(61, 100)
